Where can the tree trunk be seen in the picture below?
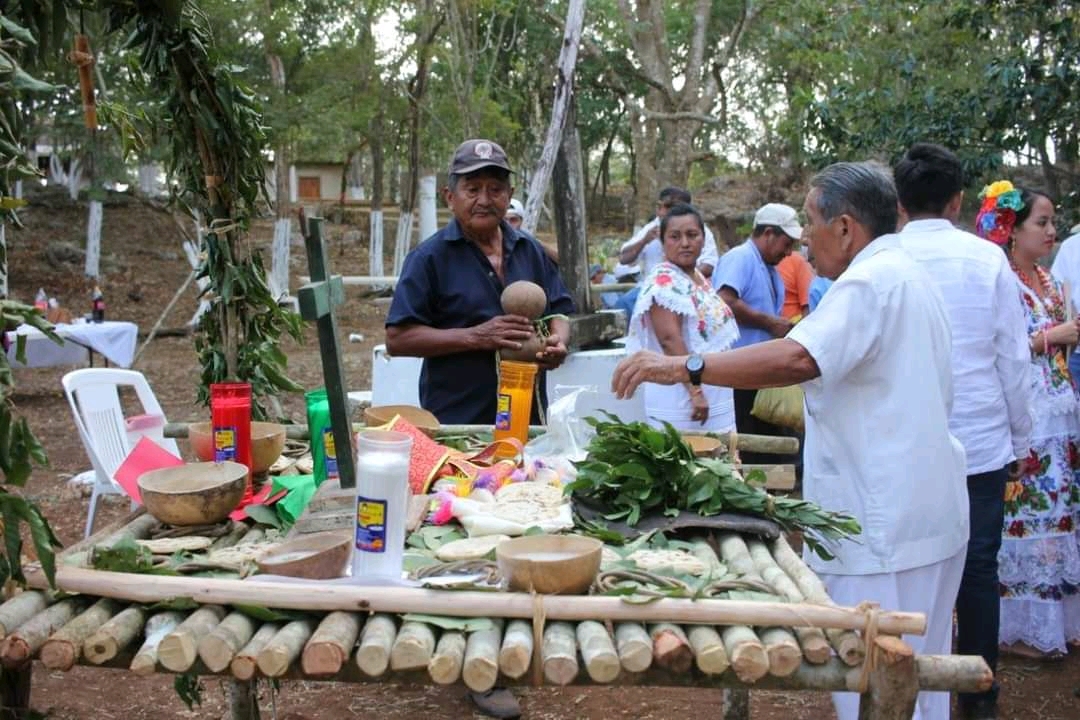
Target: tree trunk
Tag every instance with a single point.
(644, 138)
(570, 219)
(561, 109)
(417, 87)
(279, 253)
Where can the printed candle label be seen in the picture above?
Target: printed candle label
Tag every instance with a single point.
(502, 413)
(331, 453)
(224, 444)
(370, 525)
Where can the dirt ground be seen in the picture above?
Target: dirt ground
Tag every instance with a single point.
(142, 268)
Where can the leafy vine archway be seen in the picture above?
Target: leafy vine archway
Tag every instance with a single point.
(217, 144)
(215, 130)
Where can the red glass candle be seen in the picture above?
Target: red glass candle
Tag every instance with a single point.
(230, 411)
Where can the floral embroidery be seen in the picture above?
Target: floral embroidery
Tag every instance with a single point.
(709, 322)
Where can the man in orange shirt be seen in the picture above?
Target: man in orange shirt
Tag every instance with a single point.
(797, 275)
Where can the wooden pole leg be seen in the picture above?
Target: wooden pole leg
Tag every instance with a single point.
(243, 700)
(15, 692)
(894, 682)
(736, 704)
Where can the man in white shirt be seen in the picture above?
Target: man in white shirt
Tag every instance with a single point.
(645, 247)
(874, 362)
(1066, 270)
(991, 414)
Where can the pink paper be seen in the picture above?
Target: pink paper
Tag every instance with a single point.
(147, 455)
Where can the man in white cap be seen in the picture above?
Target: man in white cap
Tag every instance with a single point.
(515, 215)
(749, 283)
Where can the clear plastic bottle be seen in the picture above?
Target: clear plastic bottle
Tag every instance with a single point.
(382, 502)
(41, 300)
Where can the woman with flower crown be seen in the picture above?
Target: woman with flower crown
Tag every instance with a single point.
(1040, 553)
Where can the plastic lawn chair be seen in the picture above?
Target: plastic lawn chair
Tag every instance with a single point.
(107, 435)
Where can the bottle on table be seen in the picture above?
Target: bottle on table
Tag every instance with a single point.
(41, 300)
(97, 305)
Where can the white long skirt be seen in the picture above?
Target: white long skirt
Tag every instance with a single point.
(671, 403)
(930, 589)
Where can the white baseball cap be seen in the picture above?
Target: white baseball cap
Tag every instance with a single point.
(516, 208)
(782, 216)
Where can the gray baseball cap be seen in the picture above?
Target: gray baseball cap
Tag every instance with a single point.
(472, 155)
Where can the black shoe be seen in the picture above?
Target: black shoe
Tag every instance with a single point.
(497, 703)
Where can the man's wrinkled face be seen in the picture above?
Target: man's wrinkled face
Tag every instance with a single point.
(827, 240)
(479, 200)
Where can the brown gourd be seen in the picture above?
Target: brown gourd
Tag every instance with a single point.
(528, 300)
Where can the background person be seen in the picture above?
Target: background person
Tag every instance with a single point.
(645, 250)
(991, 393)
(797, 275)
(1040, 557)
(750, 285)
(678, 313)
(1066, 270)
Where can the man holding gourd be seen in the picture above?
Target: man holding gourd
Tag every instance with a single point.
(874, 361)
(447, 306)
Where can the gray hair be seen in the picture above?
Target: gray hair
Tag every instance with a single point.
(863, 190)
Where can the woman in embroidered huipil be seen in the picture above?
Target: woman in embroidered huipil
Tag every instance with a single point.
(1040, 553)
(678, 313)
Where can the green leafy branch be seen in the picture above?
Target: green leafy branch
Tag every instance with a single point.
(634, 470)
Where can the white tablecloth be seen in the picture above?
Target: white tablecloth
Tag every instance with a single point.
(115, 341)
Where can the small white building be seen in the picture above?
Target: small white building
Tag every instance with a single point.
(309, 181)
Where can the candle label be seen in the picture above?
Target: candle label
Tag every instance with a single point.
(224, 444)
(370, 525)
(330, 451)
(502, 412)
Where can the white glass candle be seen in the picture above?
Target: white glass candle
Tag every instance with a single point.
(382, 502)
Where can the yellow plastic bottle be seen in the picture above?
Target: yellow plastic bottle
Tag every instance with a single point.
(514, 404)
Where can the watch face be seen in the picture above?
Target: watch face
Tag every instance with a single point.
(695, 363)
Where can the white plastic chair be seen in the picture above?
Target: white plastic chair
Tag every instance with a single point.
(107, 436)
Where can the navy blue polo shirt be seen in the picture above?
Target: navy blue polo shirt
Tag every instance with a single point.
(446, 282)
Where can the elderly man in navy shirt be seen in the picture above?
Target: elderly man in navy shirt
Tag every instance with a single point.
(446, 307)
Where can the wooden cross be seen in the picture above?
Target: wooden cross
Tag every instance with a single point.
(317, 301)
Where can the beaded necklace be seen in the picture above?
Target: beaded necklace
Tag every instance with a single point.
(1045, 290)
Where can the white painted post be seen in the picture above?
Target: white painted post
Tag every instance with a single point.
(18, 190)
(403, 240)
(74, 179)
(56, 171)
(3, 270)
(429, 218)
(279, 259)
(93, 240)
(375, 256)
(294, 190)
(147, 178)
(192, 253)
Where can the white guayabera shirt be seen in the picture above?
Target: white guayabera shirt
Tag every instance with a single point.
(1066, 267)
(653, 252)
(877, 419)
(991, 415)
